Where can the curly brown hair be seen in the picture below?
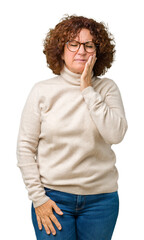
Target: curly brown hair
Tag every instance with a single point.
(68, 28)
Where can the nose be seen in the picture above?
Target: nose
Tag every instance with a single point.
(81, 49)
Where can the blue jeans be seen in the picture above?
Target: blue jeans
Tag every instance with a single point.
(85, 217)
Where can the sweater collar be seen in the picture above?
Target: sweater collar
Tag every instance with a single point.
(73, 78)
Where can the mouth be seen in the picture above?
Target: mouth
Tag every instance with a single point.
(80, 60)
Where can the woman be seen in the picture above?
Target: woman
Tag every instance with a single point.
(68, 125)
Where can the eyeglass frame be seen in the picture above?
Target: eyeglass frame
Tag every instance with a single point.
(96, 45)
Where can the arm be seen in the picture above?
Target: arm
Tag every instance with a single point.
(107, 112)
(27, 144)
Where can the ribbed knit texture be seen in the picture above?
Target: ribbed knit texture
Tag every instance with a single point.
(65, 136)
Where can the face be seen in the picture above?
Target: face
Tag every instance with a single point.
(75, 61)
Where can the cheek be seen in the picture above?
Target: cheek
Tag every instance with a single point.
(68, 57)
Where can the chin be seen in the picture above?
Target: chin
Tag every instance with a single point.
(76, 69)
(79, 70)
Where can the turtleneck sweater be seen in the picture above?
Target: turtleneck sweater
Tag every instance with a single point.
(65, 136)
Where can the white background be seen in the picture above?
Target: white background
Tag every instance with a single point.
(24, 25)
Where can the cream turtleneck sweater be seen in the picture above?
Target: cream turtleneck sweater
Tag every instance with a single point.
(65, 136)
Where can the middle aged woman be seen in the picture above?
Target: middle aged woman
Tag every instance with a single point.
(68, 125)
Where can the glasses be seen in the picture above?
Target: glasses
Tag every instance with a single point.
(74, 45)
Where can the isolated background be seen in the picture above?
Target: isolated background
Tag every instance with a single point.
(24, 25)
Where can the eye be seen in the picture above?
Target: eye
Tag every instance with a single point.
(73, 43)
(89, 46)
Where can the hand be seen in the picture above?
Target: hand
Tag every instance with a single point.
(86, 75)
(45, 214)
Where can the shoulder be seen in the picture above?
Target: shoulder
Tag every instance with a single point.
(46, 82)
(104, 81)
(43, 85)
(105, 84)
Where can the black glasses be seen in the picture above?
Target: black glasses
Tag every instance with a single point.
(74, 45)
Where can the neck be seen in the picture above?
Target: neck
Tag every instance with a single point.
(73, 78)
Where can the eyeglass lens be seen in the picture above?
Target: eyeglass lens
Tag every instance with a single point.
(75, 45)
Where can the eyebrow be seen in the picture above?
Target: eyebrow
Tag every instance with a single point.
(81, 42)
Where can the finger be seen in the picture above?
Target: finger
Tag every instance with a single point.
(87, 69)
(56, 222)
(39, 222)
(90, 60)
(50, 225)
(57, 209)
(46, 226)
(93, 60)
(88, 64)
(95, 57)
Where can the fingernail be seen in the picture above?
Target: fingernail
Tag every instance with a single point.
(60, 212)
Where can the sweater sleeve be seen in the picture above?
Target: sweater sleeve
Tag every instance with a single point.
(27, 143)
(107, 112)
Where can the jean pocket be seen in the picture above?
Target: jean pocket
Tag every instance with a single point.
(48, 190)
